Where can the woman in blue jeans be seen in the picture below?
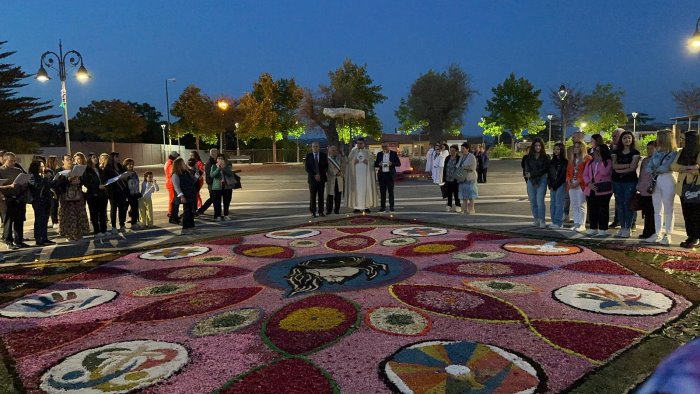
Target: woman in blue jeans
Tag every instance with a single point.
(557, 185)
(625, 160)
(535, 169)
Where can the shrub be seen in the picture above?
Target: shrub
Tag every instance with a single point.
(503, 151)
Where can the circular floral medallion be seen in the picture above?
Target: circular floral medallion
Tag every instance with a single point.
(292, 234)
(213, 259)
(541, 248)
(174, 253)
(227, 322)
(351, 243)
(304, 243)
(38, 339)
(398, 241)
(488, 269)
(432, 248)
(264, 251)
(286, 375)
(119, 367)
(479, 255)
(57, 302)
(235, 240)
(500, 286)
(196, 272)
(334, 273)
(614, 299)
(362, 220)
(419, 231)
(460, 367)
(99, 273)
(315, 318)
(398, 321)
(164, 289)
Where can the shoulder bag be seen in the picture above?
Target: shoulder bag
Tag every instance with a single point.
(652, 182)
(690, 193)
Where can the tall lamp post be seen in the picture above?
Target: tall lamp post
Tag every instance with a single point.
(634, 124)
(562, 93)
(164, 152)
(223, 105)
(694, 40)
(75, 59)
(167, 110)
(550, 117)
(238, 145)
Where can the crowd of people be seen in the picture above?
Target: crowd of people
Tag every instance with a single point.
(590, 175)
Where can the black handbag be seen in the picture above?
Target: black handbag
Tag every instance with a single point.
(690, 193)
(652, 185)
(603, 187)
(237, 183)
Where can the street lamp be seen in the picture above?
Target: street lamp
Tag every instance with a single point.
(694, 40)
(167, 109)
(562, 93)
(223, 105)
(47, 59)
(238, 145)
(583, 126)
(164, 152)
(550, 116)
(634, 124)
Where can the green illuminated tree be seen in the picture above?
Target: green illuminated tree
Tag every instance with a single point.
(515, 106)
(603, 110)
(111, 120)
(437, 102)
(198, 116)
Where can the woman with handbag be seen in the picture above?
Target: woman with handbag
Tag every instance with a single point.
(557, 185)
(644, 196)
(468, 191)
(72, 217)
(449, 175)
(624, 177)
(663, 186)
(598, 179)
(222, 185)
(576, 185)
(185, 188)
(40, 189)
(688, 187)
(535, 170)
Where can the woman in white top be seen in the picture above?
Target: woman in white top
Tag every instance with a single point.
(664, 192)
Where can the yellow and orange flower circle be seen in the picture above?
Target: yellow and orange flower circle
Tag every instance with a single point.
(316, 318)
(263, 251)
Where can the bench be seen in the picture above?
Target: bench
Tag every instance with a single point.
(239, 159)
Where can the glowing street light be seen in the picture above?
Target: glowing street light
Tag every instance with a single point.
(562, 93)
(634, 123)
(238, 145)
(694, 40)
(550, 117)
(48, 59)
(223, 105)
(583, 126)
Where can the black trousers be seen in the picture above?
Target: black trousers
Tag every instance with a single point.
(648, 213)
(386, 184)
(333, 200)
(54, 210)
(118, 204)
(42, 211)
(13, 226)
(206, 204)
(133, 209)
(452, 191)
(175, 209)
(691, 216)
(599, 211)
(218, 197)
(316, 191)
(97, 205)
(188, 210)
(481, 175)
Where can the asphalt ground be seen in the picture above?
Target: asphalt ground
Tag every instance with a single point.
(276, 196)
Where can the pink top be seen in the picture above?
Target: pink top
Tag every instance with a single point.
(596, 172)
(644, 178)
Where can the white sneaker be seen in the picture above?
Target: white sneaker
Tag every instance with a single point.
(458, 209)
(542, 224)
(626, 233)
(101, 234)
(219, 219)
(620, 233)
(55, 225)
(602, 233)
(536, 223)
(574, 227)
(666, 240)
(227, 217)
(653, 239)
(448, 208)
(591, 232)
(554, 227)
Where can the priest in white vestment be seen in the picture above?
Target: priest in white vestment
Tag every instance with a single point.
(360, 179)
(429, 160)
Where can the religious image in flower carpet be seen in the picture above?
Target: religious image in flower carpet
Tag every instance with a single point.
(371, 305)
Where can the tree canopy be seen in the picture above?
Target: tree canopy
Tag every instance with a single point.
(153, 133)
(437, 102)
(515, 107)
(19, 115)
(349, 86)
(603, 110)
(687, 99)
(197, 113)
(111, 120)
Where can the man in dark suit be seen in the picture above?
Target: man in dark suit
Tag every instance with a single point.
(316, 167)
(387, 161)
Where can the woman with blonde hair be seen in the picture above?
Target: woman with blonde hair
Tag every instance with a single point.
(663, 186)
(576, 185)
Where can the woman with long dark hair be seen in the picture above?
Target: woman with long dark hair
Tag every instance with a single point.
(625, 160)
(598, 179)
(40, 189)
(557, 185)
(687, 165)
(449, 173)
(645, 200)
(200, 181)
(535, 170)
(72, 217)
(184, 186)
(52, 166)
(96, 195)
(117, 193)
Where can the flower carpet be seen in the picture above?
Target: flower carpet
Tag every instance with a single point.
(360, 305)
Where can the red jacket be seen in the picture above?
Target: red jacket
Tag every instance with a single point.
(597, 173)
(168, 170)
(579, 175)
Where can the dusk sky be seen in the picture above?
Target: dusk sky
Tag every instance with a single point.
(131, 47)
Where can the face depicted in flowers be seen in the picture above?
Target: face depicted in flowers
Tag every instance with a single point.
(309, 275)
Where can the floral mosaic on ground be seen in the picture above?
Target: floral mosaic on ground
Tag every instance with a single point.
(368, 306)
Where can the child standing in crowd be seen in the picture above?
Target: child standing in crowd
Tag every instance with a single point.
(644, 195)
(557, 185)
(132, 181)
(148, 187)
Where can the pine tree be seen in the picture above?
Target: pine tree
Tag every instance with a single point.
(18, 115)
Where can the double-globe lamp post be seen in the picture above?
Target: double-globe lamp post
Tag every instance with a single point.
(634, 123)
(75, 59)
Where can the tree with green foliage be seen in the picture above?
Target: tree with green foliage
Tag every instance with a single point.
(111, 120)
(349, 86)
(603, 110)
(515, 106)
(198, 116)
(437, 102)
(153, 133)
(270, 110)
(20, 116)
